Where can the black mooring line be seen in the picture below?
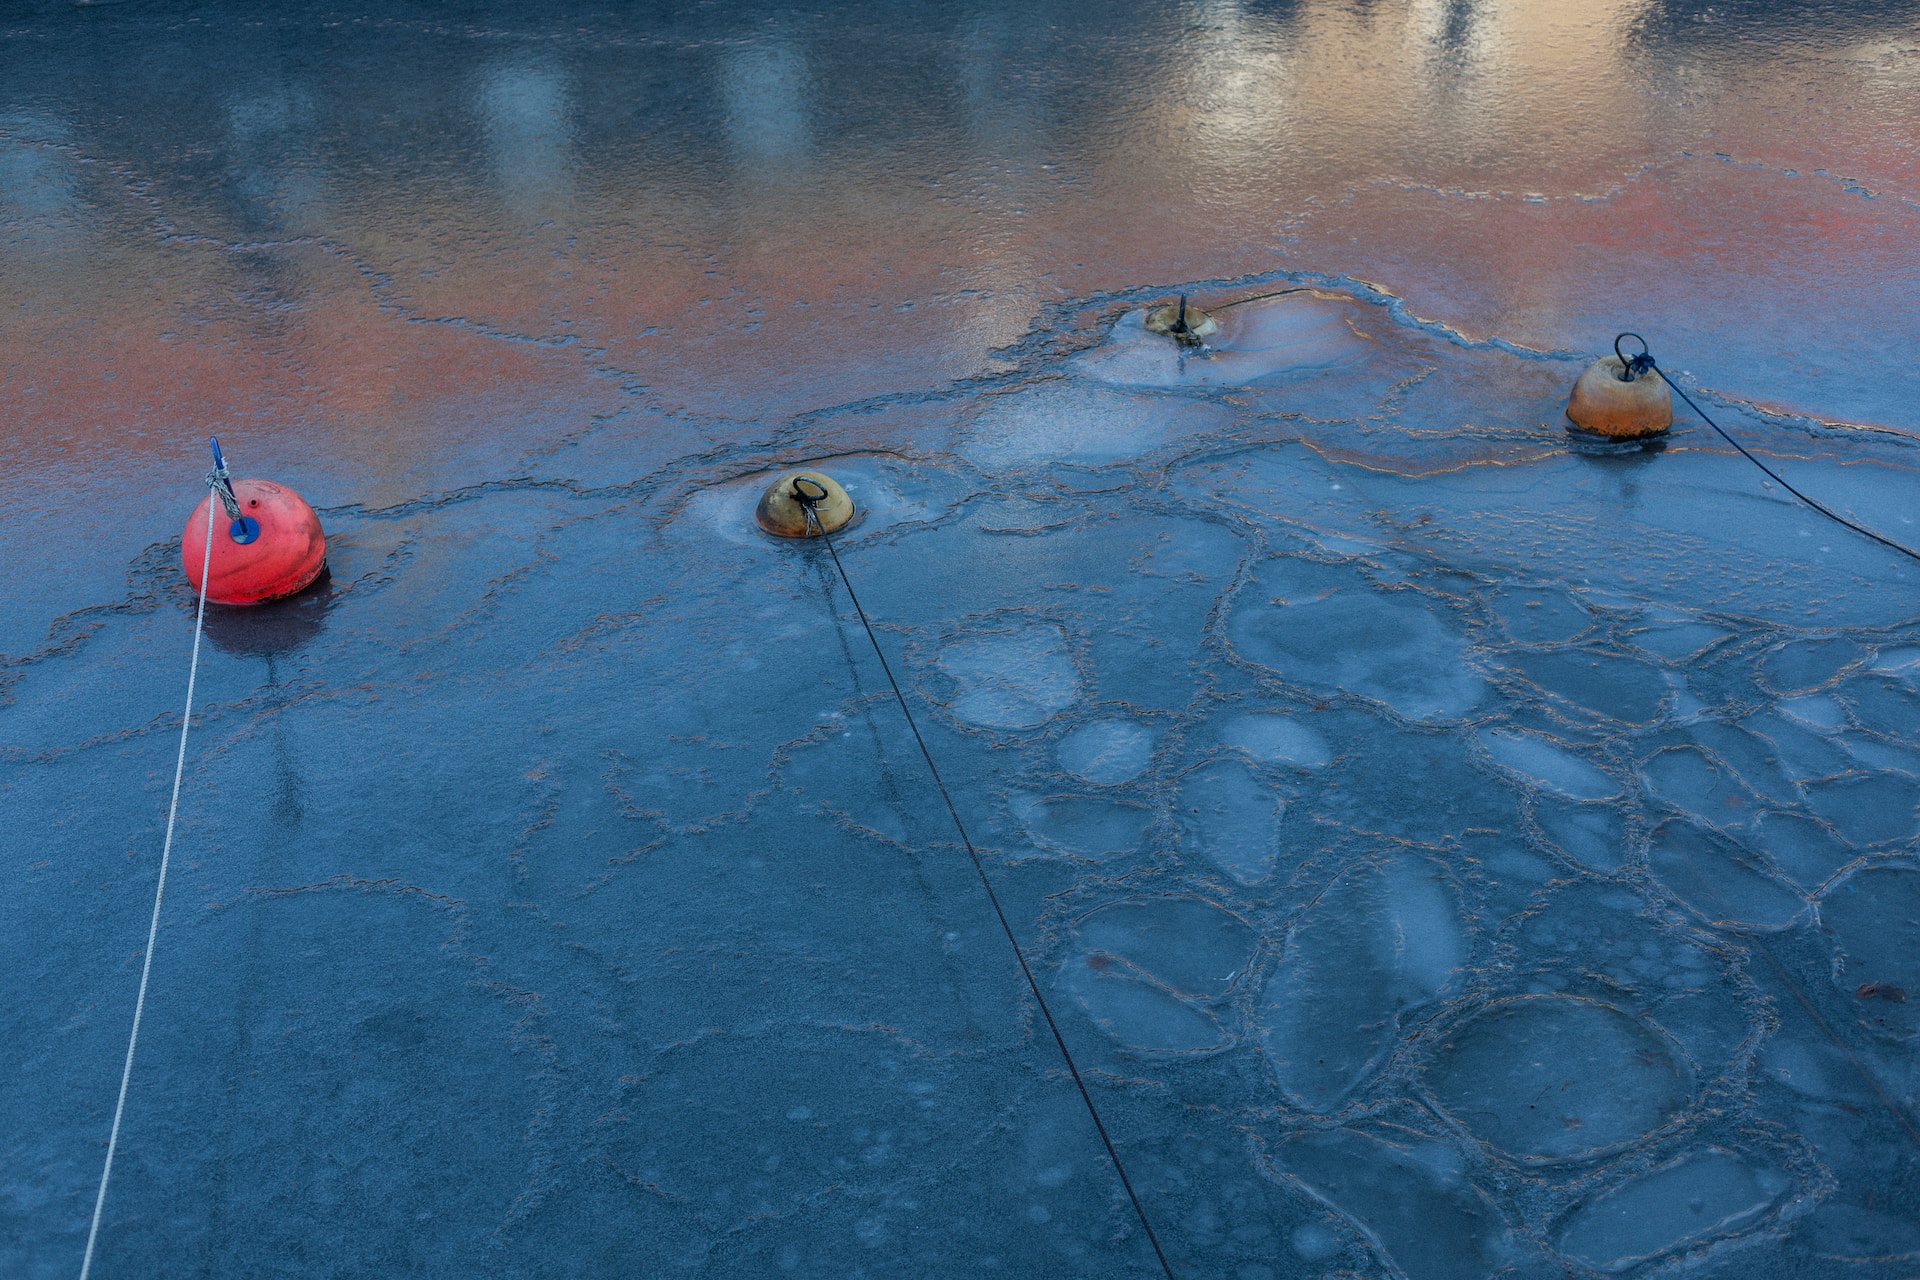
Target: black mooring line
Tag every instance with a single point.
(1815, 503)
(981, 871)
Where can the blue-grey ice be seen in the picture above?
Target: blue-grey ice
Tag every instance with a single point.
(1695, 1198)
(1383, 939)
(1015, 680)
(1107, 752)
(1446, 851)
(1551, 1077)
(1275, 738)
(1231, 815)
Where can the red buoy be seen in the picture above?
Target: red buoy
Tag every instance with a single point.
(285, 553)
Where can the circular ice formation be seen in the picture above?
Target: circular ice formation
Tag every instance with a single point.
(1107, 752)
(1011, 680)
(1553, 1077)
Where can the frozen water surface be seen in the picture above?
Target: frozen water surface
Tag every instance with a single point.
(1446, 854)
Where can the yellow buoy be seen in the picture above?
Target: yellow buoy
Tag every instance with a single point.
(783, 507)
(1186, 325)
(1607, 404)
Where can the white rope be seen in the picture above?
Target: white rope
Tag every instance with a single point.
(159, 890)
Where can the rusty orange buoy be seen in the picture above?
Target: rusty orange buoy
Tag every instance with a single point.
(270, 545)
(1186, 325)
(803, 504)
(1621, 397)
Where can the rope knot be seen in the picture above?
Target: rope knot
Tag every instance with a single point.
(1632, 367)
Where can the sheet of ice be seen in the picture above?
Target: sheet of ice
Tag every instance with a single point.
(1328, 628)
(1540, 761)
(1193, 946)
(1817, 711)
(1230, 814)
(1410, 1194)
(1556, 1077)
(1383, 938)
(1874, 916)
(1107, 752)
(1604, 684)
(1800, 666)
(1696, 1198)
(1540, 615)
(1883, 706)
(1016, 680)
(1877, 809)
(1082, 825)
(1593, 835)
(1139, 1015)
(1804, 848)
(1675, 634)
(1275, 738)
(1719, 881)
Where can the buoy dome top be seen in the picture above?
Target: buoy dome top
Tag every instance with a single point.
(1603, 404)
(285, 556)
(783, 514)
(1167, 319)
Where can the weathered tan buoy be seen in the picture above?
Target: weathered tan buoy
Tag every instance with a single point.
(1186, 325)
(1607, 405)
(783, 514)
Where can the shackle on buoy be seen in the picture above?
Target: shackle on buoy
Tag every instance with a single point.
(241, 528)
(1622, 397)
(273, 545)
(1184, 324)
(803, 504)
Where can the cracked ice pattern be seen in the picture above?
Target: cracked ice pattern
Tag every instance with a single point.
(1448, 856)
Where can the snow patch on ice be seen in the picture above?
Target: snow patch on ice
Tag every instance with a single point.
(1300, 333)
(1076, 422)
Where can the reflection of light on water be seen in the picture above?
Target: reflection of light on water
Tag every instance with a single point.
(1251, 90)
(994, 305)
(1002, 112)
(1237, 86)
(274, 169)
(524, 111)
(765, 90)
(37, 182)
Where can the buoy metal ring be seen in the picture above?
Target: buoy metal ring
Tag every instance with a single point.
(787, 510)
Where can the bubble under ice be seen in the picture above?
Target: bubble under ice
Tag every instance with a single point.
(1447, 856)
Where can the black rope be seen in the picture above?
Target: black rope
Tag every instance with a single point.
(1258, 297)
(809, 501)
(1644, 361)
